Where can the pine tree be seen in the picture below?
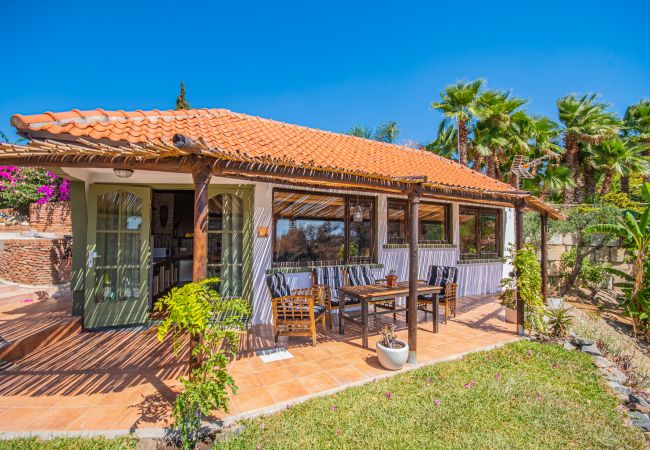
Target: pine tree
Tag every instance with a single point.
(181, 101)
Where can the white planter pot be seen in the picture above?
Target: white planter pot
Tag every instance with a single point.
(555, 302)
(511, 315)
(392, 358)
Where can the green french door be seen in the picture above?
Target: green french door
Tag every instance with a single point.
(230, 240)
(118, 256)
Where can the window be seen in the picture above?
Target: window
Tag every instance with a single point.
(313, 228)
(433, 221)
(480, 235)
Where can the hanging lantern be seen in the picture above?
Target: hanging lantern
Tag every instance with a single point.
(357, 214)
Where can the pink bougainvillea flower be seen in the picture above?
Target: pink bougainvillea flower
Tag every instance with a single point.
(258, 446)
(489, 357)
(338, 432)
(388, 395)
(473, 383)
(554, 365)
(333, 408)
(497, 376)
(530, 353)
(288, 406)
(436, 401)
(466, 385)
(539, 397)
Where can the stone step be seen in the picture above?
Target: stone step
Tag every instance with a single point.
(17, 294)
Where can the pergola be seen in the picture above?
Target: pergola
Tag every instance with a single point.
(57, 142)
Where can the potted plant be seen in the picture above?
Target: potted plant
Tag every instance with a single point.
(508, 297)
(392, 352)
(391, 279)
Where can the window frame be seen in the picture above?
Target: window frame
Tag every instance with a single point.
(448, 222)
(349, 200)
(477, 210)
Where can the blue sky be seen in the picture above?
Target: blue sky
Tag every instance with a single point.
(325, 64)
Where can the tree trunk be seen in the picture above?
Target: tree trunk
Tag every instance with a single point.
(462, 142)
(589, 184)
(625, 184)
(490, 170)
(570, 150)
(607, 182)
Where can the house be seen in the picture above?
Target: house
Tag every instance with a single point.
(162, 197)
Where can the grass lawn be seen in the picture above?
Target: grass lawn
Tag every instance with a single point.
(73, 443)
(523, 395)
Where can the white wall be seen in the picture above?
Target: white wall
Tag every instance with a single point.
(474, 279)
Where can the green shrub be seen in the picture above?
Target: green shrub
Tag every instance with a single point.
(529, 284)
(212, 323)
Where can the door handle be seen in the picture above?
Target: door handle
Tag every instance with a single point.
(92, 256)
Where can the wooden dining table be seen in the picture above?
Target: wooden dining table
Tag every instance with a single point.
(374, 293)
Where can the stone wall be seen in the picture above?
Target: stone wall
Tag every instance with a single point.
(51, 217)
(48, 218)
(36, 261)
(559, 244)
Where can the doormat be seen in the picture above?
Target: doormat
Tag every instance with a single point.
(274, 354)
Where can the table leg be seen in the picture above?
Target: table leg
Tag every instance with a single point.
(364, 319)
(436, 303)
(341, 312)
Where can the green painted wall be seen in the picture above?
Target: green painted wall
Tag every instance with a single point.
(79, 235)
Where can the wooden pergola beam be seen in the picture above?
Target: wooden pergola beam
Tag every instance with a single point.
(544, 254)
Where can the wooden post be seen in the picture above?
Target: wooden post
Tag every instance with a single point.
(414, 206)
(544, 263)
(201, 174)
(519, 244)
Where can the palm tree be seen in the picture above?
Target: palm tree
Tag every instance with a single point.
(619, 157)
(497, 135)
(361, 131)
(459, 102)
(637, 128)
(585, 121)
(386, 132)
(445, 143)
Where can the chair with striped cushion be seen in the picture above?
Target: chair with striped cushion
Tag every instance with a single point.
(294, 313)
(361, 275)
(329, 279)
(447, 278)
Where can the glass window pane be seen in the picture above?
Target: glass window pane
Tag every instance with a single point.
(108, 210)
(467, 228)
(396, 226)
(131, 212)
(309, 228)
(130, 249)
(433, 223)
(361, 250)
(106, 282)
(129, 288)
(488, 235)
(106, 249)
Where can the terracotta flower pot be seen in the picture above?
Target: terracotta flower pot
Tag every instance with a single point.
(391, 280)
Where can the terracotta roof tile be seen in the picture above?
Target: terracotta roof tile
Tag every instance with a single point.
(259, 138)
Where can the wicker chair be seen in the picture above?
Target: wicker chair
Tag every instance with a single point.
(447, 278)
(294, 313)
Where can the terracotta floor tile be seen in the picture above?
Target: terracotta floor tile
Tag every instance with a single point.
(282, 392)
(346, 375)
(253, 399)
(317, 383)
(249, 381)
(305, 369)
(273, 376)
(331, 363)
